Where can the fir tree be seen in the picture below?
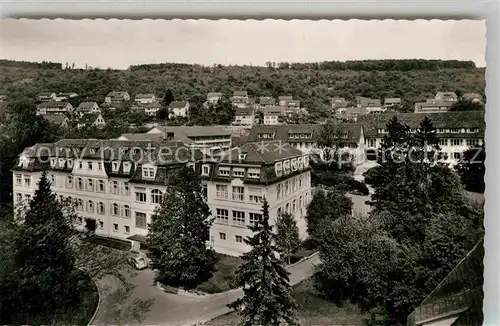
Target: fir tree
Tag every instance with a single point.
(169, 98)
(44, 257)
(179, 232)
(267, 299)
(287, 237)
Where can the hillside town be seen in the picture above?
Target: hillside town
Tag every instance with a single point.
(285, 193)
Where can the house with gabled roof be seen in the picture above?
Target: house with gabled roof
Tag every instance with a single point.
(46, 96)
(178, 109)
(117, 97)
(274, 115)
(145, 98)
(391, 101)
(88, 107)
(244, 117)
(91, 120)
(446, 96)
(57, 119)
(433, 106)
(214, 97)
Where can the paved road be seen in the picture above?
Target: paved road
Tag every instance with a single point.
(173, 309)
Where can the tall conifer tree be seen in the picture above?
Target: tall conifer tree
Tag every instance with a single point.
(267, 299)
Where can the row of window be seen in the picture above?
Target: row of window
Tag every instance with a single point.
(238, 217)
(291, 185)
(291, 165)
(294, 205)
(116, 227)
(237, 238)
(236, 173)
(19, 197)
(20, 178)
(442, 130)
(442, 142)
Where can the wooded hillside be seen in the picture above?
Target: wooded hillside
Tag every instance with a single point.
(312, 83)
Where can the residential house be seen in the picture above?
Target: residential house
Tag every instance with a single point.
(433, 106)
(372, 105)
(359, 99)
(446, 96)
(244, 117)
(91, 120)
(149, 108)
(178, 109)
(88, 107)
(53, 108)
(145, 98)
(240, 99)
(274, 115)
(391, 101)
(265, 101)
(117, 97)
(58, 119)
(305, 138)
(214, 97)
(474, 97)
(457, 131)
(237, 183)
(46, 97)
(283, 100)
(350, 113)
(61, 97)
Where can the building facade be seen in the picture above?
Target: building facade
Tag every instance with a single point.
(114, 184)
(178, 109)
(53, 108)
(145, 98)
(457, 131)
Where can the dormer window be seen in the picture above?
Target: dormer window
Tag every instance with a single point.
(300, 163)
(115, 166)
(242, 156)
(70, 163)
(148, 172)
(92, 151)
(205, 170)
(80, 165)
(224, 171)
(286, 166)
(89, 164)
(126, 167)
(238, 172)
(253, 173)
(52, 162)
(294, 164)
(61, 161)
(306, 161)
(278, 168)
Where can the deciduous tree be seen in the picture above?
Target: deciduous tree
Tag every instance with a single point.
(179, 232)
(287, 237)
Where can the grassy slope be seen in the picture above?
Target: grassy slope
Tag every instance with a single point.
(313, 310)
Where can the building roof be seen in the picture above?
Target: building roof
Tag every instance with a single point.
(144, 96)
(274, 110)
(116, 94)
(55, 119)
(52, 104)
(392, 100)
(265, 100)
(46, 94)
(142, 137)
(186, 134)
(446, 95)
(421, 106)
(89, 118)
(86, 105)
(352, 111)
(472, 96)
(285, 98)
(441, 120)
(214, 94)
(370, 102)
(240, 93)
(283, 132)
(261, 153)
(243, 111)
(178, 104)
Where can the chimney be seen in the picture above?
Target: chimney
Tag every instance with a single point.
(169, 136)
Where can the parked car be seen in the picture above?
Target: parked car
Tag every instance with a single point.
(139, 261)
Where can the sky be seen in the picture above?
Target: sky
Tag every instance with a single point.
(120, 43)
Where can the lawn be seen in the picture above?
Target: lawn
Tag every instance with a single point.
(223, 276)
(313, 310)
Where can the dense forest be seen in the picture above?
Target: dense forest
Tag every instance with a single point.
(312, 83)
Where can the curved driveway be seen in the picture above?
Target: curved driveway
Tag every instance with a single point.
(175, 309)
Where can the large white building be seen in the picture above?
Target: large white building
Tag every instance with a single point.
(118, 184)
(305, 138)
(457, 131)
(237, 184)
